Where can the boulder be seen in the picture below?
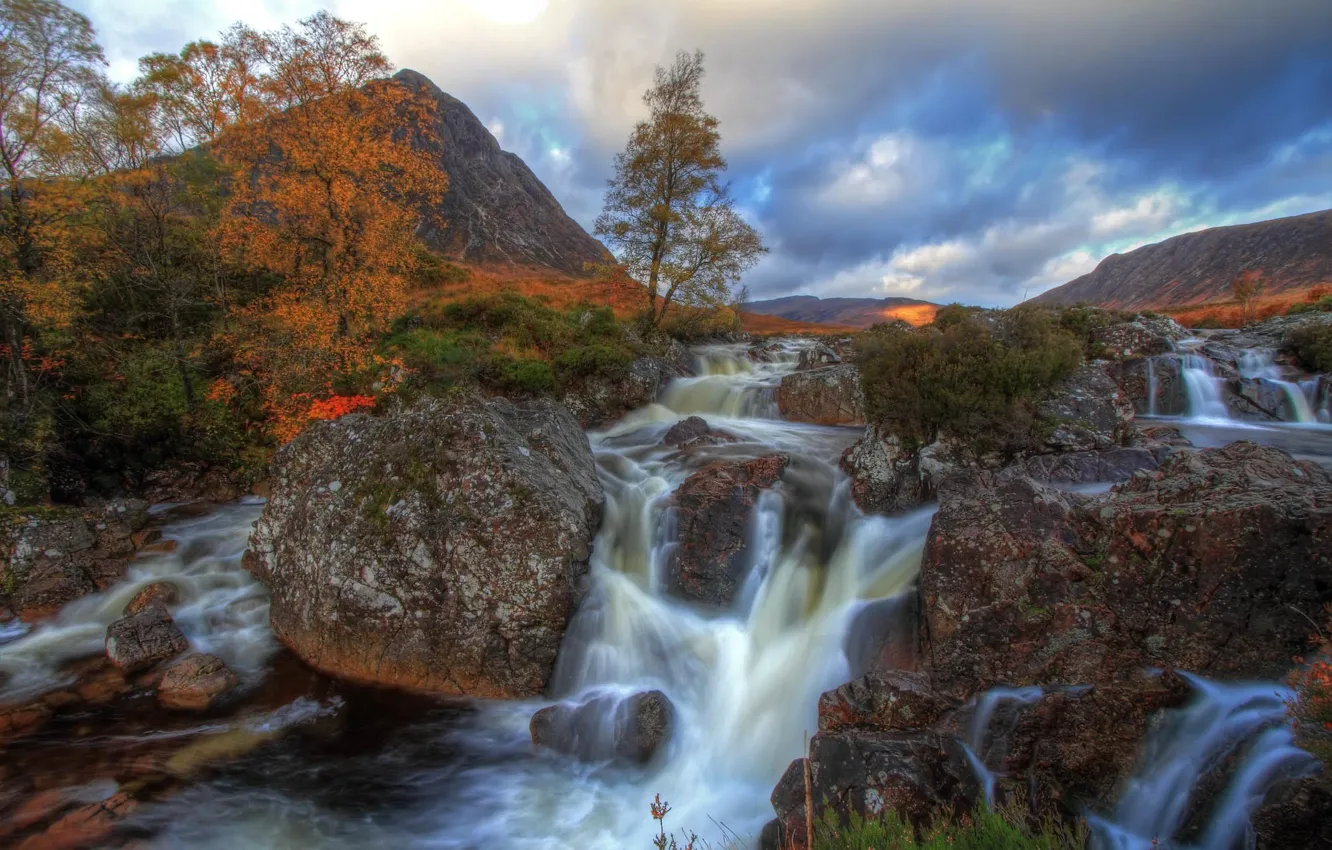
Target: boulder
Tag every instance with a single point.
(764, 353)
(441, 548)
(1146, 335)
(599, 400)
(817, 357)
(831, 395)
(894, 700)
(57, 555)
(686, 430)
(887, 477)
(1089, 467)
(1088, 411)
(196, 682)
(161, 593)
(1295, 814)
(608, 727)
(712, 509)
(144, 640)
(1139, 376)
(1204, 564)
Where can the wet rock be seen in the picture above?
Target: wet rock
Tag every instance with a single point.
(712, 510)
(191, 482)
(598, 400)
(57, 555)
(893, 700)
(764, 353)
(1203, 564)
(686, 430)
(144, 640)
(196, 682)
(1088, 411)
(85, 827)
(1138, 376)
(817, 357)
(160, 593)
(887, 477)
(1089, 467)
(632, 730)
(451, 553)
(831, 395)
(1295, 814)
(1146, 335)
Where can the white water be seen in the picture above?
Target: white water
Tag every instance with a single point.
(1260, 365)
(221, 608)
(1249, 718)
(1206, 390)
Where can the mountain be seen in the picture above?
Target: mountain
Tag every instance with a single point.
(496, 210)
(848, 312)
(1291, 253)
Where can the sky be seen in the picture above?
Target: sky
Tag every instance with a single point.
(979, 151)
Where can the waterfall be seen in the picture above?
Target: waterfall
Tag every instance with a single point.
(1151, 386)
(1224, 719)
(1259, 364)
(1204, 387)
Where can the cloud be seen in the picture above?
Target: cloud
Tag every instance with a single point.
(970, 149)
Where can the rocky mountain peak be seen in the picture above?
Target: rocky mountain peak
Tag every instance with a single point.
(496, 210)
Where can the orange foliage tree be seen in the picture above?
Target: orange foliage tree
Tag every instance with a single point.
(327, 199)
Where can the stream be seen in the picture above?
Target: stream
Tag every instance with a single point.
(359, 768)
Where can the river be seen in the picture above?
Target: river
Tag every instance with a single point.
(319, 764)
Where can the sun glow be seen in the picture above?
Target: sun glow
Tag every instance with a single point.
(510, 11)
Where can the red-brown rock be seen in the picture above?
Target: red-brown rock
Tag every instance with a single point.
(196, 682)
(143, 640)
(162, 593)
(712, 513)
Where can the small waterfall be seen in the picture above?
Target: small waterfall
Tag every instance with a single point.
(1224, 719)
(1205, 388)
(979, 735)
(1259, 364)
(1151, 386)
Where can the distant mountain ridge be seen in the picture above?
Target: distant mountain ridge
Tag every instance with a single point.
(495, 210)
(1292, 253)
(848, 312)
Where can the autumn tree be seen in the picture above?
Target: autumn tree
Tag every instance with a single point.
(327, 200)
(668, 216)
(49, 65)
(207, 87)
(1247, 289)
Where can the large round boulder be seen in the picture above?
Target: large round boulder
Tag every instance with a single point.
(607, 727)
(442, 548)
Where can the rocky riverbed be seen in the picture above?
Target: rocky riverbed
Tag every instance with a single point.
(471, 624)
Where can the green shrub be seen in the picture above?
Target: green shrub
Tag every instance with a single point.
(1322, 305)
(530, 377)
(596, 360)
(1312, 344)
(952, 314)
(1006, 829)
(977, 380)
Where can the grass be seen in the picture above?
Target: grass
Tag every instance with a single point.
(1226, 312)
(1009, 828)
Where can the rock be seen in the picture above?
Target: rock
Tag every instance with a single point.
(599, 400)
(765, 353)
(712, 509)
(1295, 814)
(1137, 377)
(160, 593)
(191, 482)
(1203, 564)
(604, 728)
(1146, 335)
(817, 357)
(49, 587)
(867, 771)
(1088, 411)
(887, 477)
(1088, 467)
(196, 682)
(143, 640)
(831, 395)
(57, 555)
(452, 554)
(496, 210)
(686, 430)
(88, 826)
(892, 700)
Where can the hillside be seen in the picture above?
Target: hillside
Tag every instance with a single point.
(496, 210)
(845, 312)
(1293, 254)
